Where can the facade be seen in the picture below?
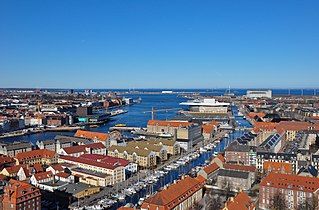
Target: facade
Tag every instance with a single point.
(295, 190)
(76, 151)
(242, 154)
(179, 196)
(278, 167)
(240, 202)
(54, 144)
(185, 133)
(236, 180)
(41, 156)
(21, 196)
(15, 148)
(79, 190)
(172, 147)
(259, 94)
(98, 170)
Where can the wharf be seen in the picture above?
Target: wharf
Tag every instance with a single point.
(125, 128)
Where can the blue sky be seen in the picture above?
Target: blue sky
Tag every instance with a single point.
(159, 44)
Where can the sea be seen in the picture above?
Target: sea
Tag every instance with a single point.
(137, 115)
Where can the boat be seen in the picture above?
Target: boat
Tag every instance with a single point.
(140, 201)
(165, 135)
(120, 125)
(94, 126)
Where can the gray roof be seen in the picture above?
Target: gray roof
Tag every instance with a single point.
(48, 141)
(233, 173)
(66, 139)
(75, 188)
(236, 147)
(18, 145)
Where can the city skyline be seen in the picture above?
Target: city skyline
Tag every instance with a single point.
(171, 45)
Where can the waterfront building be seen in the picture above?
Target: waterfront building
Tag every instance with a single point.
(206, 106)
(12, 149)
(159, 150)
(94, 136)
(172, 147)
(41, 156)
(241, 201)
(97, 170)
(79, 190)
(183, 194)
(144, 158)
(78, 150)
(259, 94)
(53, 144)
(209, 172)
(295, 190)
(187, 134)
(20, 195)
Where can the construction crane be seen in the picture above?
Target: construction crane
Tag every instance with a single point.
(160, 110)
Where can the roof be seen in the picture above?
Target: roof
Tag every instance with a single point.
(63, 174)
(184, 187)
(291, 182)
(38, 167)
(130, 150)
(237, 167)
(17, 189)
(145, 145)
(15, 169)
(233, 173)
(82, 148)
(57, 167)
(43, 175)
(309, 169)
(236, 147)
(165, 142)
(35, 154)
(75, 188)
(92, 135)
(18, 145)
(169, 123)
(211, 168)
(97, 160)
(280, 167)
(240, 202)
(221, 157)
(258, 114)
(6, 159)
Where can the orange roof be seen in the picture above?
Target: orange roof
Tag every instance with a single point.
(240, 202)
(211, 168)
(22, 190)
(38, 167)
(277, 167)
(57, 167)
(15, 169)
(43, 175)
(293, 125)
(169, 123)
(240, 167)
(63, 175)
(221, 157)
(6, 159)
(265, 126)
(82, 148)
(208, 128)
(35, 154)
(291, 182)
(259, 114)
(91, 135)
(174, 194)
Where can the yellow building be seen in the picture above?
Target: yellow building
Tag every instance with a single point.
(41, 156)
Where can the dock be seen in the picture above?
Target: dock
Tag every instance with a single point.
(124, 128)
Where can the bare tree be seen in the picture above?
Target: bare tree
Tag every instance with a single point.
(211, 201)
(196, 206)
(226, 187)
(278, 202)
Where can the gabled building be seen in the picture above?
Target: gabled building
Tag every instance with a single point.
(94, 136)
(78, 150)
(21, 196)
(12, 149)
(241, 201)
(41, 156)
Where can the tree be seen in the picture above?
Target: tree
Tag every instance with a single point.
(196, 206)
(227, 188)
(310, 204)
(278, 202)
(211, 201)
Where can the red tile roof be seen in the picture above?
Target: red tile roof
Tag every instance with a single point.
(169, 123)
(15, 169)
(277, 167)
(43, 175)
(63, 175)
(211, 168)
(22, 190)
(82, 148)
(259, 114)
(208, 128)
(35, 154)
(221, 157)
(6, 159)
(237, 167)
(57, 167)
(291, 182)
(240, 202)
(92, 135)
(38, 167)
(174, 194)
(97, 160)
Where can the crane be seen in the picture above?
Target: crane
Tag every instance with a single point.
(160, 110)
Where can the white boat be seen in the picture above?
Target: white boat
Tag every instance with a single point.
(121, 197)
(140, 201)
(165, 135)
(202, 150)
